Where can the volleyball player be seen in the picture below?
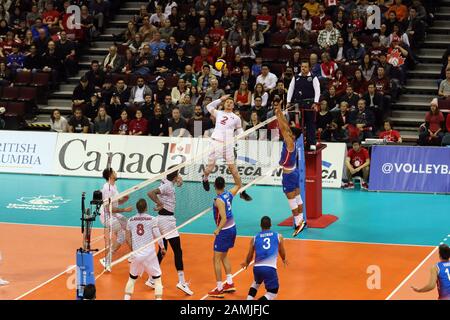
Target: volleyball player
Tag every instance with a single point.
(165, 200)
(142, 228)
(290, 177)
(221, 146)
(266, 246)
(118, 221)
(439, 275)
(225, 235)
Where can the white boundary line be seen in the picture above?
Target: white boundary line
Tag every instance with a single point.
(412, 273)
(234, 275)
(45, 225)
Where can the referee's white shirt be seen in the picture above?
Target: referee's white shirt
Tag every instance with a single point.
(167, 195)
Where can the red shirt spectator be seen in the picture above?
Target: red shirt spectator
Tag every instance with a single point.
(201, 59)
(217, 33)
(139, 126)
(121, 126)
(358, 158)
(318, 22)
(339, 83)
(447, 123)
(434, 120)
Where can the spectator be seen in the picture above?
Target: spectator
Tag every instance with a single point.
(332, 99)
(15, 60)
(324, 122)
(41, 42)
(112, 62)
(256, 67)
(122, 91)
(242, 97)
(103, 122)
(199, 124)
(342, 127)
(217, 32)
(136, 43)
(279, 91)
(357, 163)
(313, 7)
(213, 91)
(236, 33)
(375, 102)
(259, 108)
(350, 97)
(157, 44)
(267, 78)
(287, 76)
(202, 30)
(87, 25)
(66, 49)
(328, 67)
(179, 91)
(161, 91)
(328, 36)
(382, 83)
(359, 83)
(400, 10)
(166, 30)
(318, 21)
(298, 38)
(50, 16)
(340, 83)
(315, 65)
(158, 124)
(264, 20)
(204, 81)
(444, 86)
(186, 107)
(138, 92)
(305, 18)
(139, 125)
(364, 120)
(147, 29)
(245, 51)
(188, 76)
(259, 92)
(145, 61)
(177, 124)
(121, 126)
(162, 64)
(355, 53)
(180, 61)
(338, 52)
(261, 133)
(58, 122)
(167, 106)
(82, 92)
(415, 28)
(95, 75)
(389, 134)
(147, 106)
(367, 67)
(78, 123)
(158, 17)
(202, 59)
(431, 132)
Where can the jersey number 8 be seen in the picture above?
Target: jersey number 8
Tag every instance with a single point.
(140, 229)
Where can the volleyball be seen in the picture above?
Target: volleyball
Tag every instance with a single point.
(220, 64)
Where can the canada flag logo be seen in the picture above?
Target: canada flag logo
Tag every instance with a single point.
(395, 58)
(179, 148)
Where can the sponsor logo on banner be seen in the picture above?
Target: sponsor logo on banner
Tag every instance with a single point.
(415, 169)
(38, 203)
(333, 157)
(27, 152)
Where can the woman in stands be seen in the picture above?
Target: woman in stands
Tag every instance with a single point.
(431, 132)
(122, 125)
(58, 122)
(389, 134)
(259, 92)
(359, 83)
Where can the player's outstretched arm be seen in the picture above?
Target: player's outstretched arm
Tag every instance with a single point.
(431, 283)
(284, 127)
(281, 249)
(220, 205)
(237, 185)
(157, 235)
(249, 258)
(212, 106)
(153, 195)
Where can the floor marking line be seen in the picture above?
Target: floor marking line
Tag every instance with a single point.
(412, 273)
(46, 225)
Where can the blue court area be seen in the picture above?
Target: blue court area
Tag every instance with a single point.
(420, 219)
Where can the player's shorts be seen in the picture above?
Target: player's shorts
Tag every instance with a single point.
(290, 181)
(268, 275)
(119, 225)
(218, 150)
(224, 241)
(166, 224)
(148, 263)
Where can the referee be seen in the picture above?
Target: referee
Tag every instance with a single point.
(304, 92)
(165, 200)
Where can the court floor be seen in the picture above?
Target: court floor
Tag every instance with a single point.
(381, 244)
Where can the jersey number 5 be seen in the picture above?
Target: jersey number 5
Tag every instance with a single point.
(266, 244)
(224, 120)
(140, 229)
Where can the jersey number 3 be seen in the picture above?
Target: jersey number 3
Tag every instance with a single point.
(140, 229)
(266, 244)
(224, 120)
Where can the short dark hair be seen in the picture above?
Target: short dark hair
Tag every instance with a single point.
(296, 132)
(107, 173)
(219, 183)
(173, 175)
(444, 251)
(94, 61)
(266, 222)
(305, 61)
(141, 205)
(356, 141)
(89, 292)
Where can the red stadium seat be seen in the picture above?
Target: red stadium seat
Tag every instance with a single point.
(23, 78)
(15, 108)
(277, 39)
(27, 94)
(10, 93)
(285, 54)
(40, 79)
(270, 54)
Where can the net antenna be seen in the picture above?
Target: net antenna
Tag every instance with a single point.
(108, 213)
(191, 209)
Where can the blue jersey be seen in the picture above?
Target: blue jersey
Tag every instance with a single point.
(266, 249)
(288, 159)
(443, 282)
(227, 198)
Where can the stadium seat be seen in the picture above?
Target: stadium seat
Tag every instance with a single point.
(270, 54)
(277, 68)
(15, 108)
(23, 78)
(277, 39)
(40, 79)
(171, 81)
(285, 55)
(27, 94)
(10, 93)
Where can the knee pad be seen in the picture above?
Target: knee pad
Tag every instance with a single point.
(293, 204)
(299, 200)
(158, 287)
(129, 289)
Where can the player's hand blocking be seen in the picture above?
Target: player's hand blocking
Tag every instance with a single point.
(128, 209)
(159, 207)
(225, 97)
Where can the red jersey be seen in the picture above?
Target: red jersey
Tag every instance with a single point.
(390, 136)
(357, 159)
(139, 125)
(50, 16)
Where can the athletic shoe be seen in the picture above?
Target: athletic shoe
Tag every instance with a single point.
(3, 282)
(103, 263)
(228, 287)
(245, 196)
(348, 185)
(216, 293)
(205, 184)
(150, 283)
(185, 288)
(364, 186)
(299, 228)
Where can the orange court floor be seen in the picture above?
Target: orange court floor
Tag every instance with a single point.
(37, 257)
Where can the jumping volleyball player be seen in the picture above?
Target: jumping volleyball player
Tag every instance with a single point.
(225, 235)
(118, 221)
(165, 200)
(266, 245)
(227, 123)
(290, 179)
(142, 228)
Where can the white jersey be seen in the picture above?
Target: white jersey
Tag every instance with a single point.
(167, 195)
(108, 192)
(143, 228)
(226, 124)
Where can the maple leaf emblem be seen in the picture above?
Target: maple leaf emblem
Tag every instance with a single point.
(395, 58)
